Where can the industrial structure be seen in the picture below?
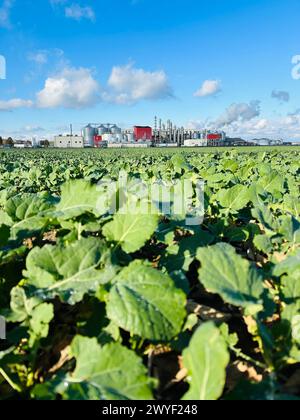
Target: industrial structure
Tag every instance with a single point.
(162, 135)
(68, 141)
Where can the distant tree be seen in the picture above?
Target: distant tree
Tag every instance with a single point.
(45, 143)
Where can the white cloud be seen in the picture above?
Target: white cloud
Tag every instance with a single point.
(282, 96)
(261, 124)
(5, 9)
(77, 88)
(129, 85)
(238, 112)
(77, 12)
(286, 127)
(208, 88)
(15, 103)
(71, 88)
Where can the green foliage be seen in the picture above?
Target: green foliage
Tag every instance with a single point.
(68, 271)
(136, 305)
(131, 231)
(146, 303)
(206, 360)
(102, 373)
(232, 277)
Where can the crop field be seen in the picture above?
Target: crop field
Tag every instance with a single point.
(108, 292)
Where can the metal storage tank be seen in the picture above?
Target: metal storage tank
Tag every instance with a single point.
(115, 130)
(102, 130)
(89, 133)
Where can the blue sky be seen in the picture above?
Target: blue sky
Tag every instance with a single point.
(223, 64)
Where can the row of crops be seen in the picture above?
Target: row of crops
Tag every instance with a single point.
(135, 305)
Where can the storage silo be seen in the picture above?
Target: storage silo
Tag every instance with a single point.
(115, 129)
(89, 134)
(102, 130)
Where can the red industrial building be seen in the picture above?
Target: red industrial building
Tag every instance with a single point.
(142, 133)
(216, 136)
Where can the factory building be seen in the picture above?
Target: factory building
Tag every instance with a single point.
(171, 135)
(70, 141)
(162, 135)
(110, 135)
(142, 133)
(267, 142)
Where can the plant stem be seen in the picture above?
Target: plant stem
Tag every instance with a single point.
(9, 381)
(239, 353)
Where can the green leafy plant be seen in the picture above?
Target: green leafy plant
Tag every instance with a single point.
(133, 305)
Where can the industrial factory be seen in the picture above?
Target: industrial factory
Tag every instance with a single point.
(162, 135)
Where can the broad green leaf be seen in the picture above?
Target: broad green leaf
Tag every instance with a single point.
(206, 360)
(69, 271)
(236, 234)
(235, 198)
(257, 194)
(180, 255)
(263, 243)
(111, 372)
(291, 265)
(272, 183)
(77, 198)
(28, 214)
(264, 215)
(21, 305)
(180, 163)
(290, 229)
(290, 270)
(291, 204)
(30, 313)
(131, 231)
(291, 296)
(146, 303)
(231, 276)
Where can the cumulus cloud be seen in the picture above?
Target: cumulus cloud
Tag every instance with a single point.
(15, 103)
(239, 112)
(287, 128)
(71, 88)
(77, 88)
(281, 95)
(5, 10)
(129, 85)
(208, 88)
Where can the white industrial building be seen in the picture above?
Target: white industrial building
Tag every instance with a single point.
(195, 143)
(72, 142)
